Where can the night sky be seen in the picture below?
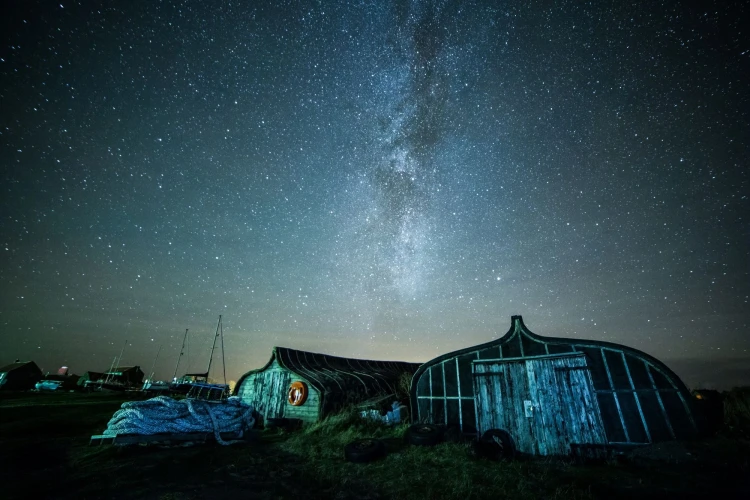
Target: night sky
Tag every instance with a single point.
(374, 179)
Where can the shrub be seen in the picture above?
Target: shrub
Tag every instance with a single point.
(737, 412)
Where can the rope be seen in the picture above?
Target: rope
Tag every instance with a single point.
(163, 415)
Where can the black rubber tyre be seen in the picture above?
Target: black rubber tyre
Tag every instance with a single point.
(424, 434)
(497, 444)
(273, 423)
(364, 450)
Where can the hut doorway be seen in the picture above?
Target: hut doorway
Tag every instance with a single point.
(545, 403)
(270, 388)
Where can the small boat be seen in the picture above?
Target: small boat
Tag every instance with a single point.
(155, 387)
(117, 378)
(48, 385)
(197, 385)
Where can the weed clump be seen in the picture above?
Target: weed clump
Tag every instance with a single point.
(326, 438)
(737, 412)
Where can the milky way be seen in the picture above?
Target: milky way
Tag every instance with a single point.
(388, 180)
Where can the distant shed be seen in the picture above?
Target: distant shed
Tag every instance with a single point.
(131, 376)
(20, 376)
(549, 393)
(89, 377)
(309, 386)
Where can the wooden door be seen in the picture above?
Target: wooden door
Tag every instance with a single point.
(545, 403)
(266, 391)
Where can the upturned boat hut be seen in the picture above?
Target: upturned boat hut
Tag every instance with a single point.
(554, 394)
(308, 386)
(19, 376)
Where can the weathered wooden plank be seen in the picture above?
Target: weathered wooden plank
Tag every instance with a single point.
(532, 410)
(526, 433)
(266, 391)
(571, 368)
(483, 400)
(584, 407)
(309, 412)
(558, 393)
(549, 411)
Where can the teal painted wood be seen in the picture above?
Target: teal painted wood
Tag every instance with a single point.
(487, 388)
(267, 391)
(567, 403)
(545, 403)
(524, 429)
(309, 411)
(541, 403)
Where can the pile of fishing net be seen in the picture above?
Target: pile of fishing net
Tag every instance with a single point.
(163, 415)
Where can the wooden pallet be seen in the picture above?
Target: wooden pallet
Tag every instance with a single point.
(195, 437)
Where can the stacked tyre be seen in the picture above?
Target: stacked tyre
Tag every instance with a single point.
(424, 434)
(364, 450)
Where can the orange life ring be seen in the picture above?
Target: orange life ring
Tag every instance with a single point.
(297, 393)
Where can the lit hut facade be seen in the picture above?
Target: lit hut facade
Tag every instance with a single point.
(554, 394)
(308, 386)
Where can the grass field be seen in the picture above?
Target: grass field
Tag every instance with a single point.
(45, 453)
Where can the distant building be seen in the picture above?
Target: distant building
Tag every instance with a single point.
(19, 376)
(308, 386)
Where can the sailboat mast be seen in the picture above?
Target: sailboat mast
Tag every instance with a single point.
(109, 373)
(121, 351)
(213, 347)
(119, 358)
(223, 360)
(151, 376)
(174, 377)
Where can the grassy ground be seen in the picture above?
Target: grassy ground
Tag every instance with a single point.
(44, 453)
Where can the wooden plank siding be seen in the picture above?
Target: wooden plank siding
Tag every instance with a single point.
(267, 391)
(639, 400)
(545, 404)
(333, 383)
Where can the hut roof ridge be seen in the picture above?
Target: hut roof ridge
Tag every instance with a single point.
(13, 366)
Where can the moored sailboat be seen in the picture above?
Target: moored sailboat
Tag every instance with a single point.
(118, 378)
(197, 385)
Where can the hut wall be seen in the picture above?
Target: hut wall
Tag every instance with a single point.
(309, 411)
(639, 399)
(267, 391)
(545, 403)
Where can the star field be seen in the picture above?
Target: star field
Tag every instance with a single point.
(384, 180)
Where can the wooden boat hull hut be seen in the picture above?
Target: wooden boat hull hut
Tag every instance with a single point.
(19, 376)
(551, 394)
(309, 386)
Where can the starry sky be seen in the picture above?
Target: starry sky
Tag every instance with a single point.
(375, 179)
